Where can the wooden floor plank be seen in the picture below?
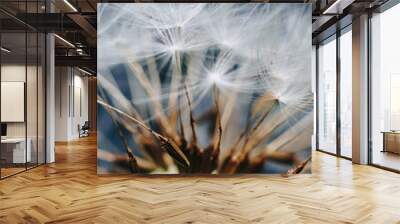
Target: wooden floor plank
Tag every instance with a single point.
(69, 191)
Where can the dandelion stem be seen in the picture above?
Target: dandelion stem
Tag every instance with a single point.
(194, 136)
(172, 149)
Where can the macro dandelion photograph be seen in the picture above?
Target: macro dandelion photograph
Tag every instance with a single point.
(210, 88)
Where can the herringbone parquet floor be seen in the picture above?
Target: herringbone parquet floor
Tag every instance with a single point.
(69, 191)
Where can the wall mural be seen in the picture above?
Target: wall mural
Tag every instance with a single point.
(204, 88)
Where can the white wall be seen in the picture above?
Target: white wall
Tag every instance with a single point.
(80, 109)
(33, 126)
(61, 103)
(14, 73)
(17, 73)
(71, 102)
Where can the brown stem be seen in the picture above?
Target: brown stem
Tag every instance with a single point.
(218, 144)
(298, 168)
(192, 121)
(132, 161)
(182, 129)
(167, 144)
(243, 149)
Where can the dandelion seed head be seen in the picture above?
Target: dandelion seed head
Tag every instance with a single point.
(215, 78)
(152, 56)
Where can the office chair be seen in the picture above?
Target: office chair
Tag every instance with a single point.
(84, 130)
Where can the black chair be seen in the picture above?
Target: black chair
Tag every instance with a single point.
(84, 130)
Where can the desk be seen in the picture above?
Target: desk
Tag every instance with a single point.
(13, 150)
(391, 141)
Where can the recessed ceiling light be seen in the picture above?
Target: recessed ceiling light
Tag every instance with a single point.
(70, 5)
(84, 71)
(337, 7)
(64, 40)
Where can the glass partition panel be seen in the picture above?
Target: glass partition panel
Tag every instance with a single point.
(346, 94)
(14, 153)
(385, 87)
(22, 78)
(314, 84)
(41, 98)
(31, 98)
(327, 96)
